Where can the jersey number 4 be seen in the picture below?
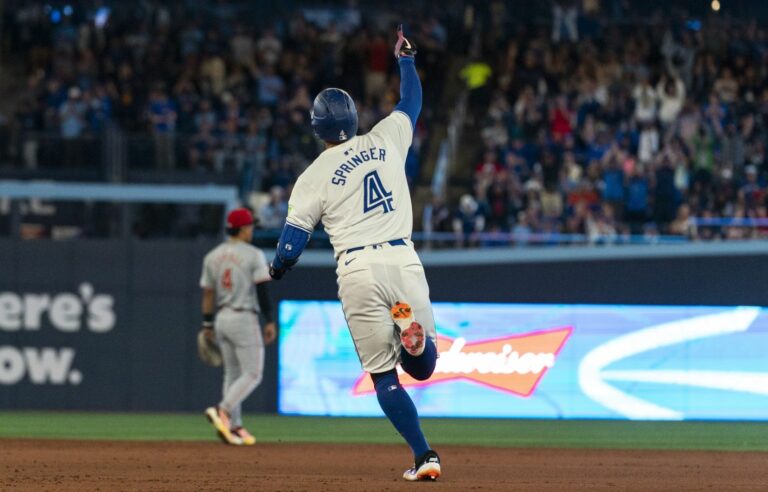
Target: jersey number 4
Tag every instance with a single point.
(226, 279)
(375, 195)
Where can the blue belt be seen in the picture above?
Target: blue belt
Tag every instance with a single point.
(394, 242)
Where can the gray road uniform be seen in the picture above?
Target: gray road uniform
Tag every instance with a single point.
(232, 270)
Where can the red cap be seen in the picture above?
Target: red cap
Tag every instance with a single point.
(239, 217)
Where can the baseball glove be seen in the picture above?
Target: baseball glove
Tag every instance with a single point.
(208, 350)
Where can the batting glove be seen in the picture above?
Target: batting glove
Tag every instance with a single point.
(278, 267)
(276, 272)
(403, 47)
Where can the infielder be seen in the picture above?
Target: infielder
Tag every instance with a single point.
(234, 276)
(358, 189)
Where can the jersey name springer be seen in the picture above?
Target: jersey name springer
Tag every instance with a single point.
(367, 155)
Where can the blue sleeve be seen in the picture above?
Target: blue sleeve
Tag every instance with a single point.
(290, 246)
(410, 89)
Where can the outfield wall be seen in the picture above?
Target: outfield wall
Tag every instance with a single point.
(106, 325)
(110, 325)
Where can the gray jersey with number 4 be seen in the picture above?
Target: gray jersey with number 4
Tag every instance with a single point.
(233, 269)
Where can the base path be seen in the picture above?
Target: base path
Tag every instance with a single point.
(109, 465)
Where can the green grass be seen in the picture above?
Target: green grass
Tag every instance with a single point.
(726, 436)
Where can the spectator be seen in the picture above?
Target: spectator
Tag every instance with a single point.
(648, 144)
(499, 204)
(751, 193)
(645, 102)
(162, 116)
(255, 155)
(99, 104)
(378, 57)
(601, 227)
(683, 225)
(273, 213)
(29, 123)
(727, 87)
(636, 202)
(476, 75)
(564, 22)
(671, 95)
(205, 115)
(584, 193)
(201, 152)
(733, 146)
(271, 87)
(242, 47)
(665, 193)
(269, 47)
(72, 115)
(436, 219)
(230, 148)
(488, 168)
(561, 119)
(72, 119)
(190, 39)
(468, 221)
(521, 232)
(612, 183)
(213, 71)
(703, 151)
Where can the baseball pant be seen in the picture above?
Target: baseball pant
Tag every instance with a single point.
(370, 282)
(242, 348)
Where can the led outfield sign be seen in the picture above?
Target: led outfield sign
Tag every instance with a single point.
(544, 361)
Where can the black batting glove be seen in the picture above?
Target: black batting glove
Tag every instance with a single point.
(275, 272)
(278, 267)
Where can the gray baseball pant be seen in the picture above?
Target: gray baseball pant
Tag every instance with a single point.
(242, 348)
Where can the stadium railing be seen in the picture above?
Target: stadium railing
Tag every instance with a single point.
(441, 240)
(123, 194)
(448, 147)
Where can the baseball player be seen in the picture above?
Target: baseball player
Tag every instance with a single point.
(234, 276)
(357, 188)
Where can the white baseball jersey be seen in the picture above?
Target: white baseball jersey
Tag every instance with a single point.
(233, 269)
(358, 188)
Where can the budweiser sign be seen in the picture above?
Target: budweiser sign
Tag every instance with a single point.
(514, 363)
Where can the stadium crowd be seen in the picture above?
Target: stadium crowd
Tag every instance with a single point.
(582, 125)
(609, 130)
(201, 90)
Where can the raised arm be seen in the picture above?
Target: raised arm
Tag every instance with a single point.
(410, 85)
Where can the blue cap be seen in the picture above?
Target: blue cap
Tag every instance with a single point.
(334, 116)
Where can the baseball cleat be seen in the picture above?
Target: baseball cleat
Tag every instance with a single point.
(246, 438)
(220, 421)
(427, 467)
(411, 332)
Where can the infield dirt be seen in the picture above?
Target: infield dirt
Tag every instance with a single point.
(109, 465)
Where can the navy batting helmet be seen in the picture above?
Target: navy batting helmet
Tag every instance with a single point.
(334, 116)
